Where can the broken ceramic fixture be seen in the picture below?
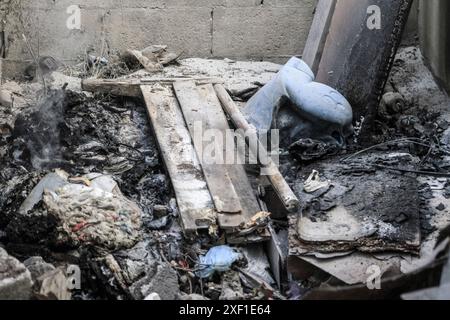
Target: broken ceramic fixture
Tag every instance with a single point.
(314, 110)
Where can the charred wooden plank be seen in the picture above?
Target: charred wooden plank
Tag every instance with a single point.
(194, 200)
(200, 118)
(284, 191)
(236, 172)
(131, 87)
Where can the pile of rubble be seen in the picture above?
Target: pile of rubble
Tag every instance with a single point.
(87, 207)
(377, 217)
(83, 188)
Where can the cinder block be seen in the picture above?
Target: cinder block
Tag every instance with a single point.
(202, 28)
(261, 31)
(122, 4)
(290, 3)
(48, 34)
(182, 29)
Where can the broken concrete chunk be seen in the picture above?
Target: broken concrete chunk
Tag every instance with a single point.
(15, 279)
(149, 64)
(154, 50)
(53, 285)
(6, 98)
(38, 267)
(161, 279)
(231, 287)
(10, 94)
(153, 58)
(160, 53)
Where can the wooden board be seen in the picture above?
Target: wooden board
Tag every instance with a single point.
(132, 87)
(194, 200)
(237, 173)
(199, 119)
(318, 33)
(283, 190)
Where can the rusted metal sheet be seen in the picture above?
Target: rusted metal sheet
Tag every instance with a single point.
(360, 48)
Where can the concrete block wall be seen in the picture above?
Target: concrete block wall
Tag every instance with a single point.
(245, 29)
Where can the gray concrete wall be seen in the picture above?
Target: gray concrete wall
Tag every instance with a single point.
(250, 29)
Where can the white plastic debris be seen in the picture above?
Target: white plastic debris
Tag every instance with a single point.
(153, 297)
(313, 183)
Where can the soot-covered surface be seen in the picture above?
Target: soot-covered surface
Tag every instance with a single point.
(83, 135)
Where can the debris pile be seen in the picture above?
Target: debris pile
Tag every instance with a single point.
(95, 213)
(108, 185)
(380, 210)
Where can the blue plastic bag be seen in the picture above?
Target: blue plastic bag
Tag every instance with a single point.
(218, 259)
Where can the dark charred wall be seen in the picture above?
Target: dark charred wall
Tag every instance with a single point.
(359, 51)
(434, 24)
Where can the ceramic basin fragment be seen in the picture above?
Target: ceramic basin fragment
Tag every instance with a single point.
(300, 107)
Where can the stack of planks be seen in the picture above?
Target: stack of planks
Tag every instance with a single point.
(212, 192)
(209, 194)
